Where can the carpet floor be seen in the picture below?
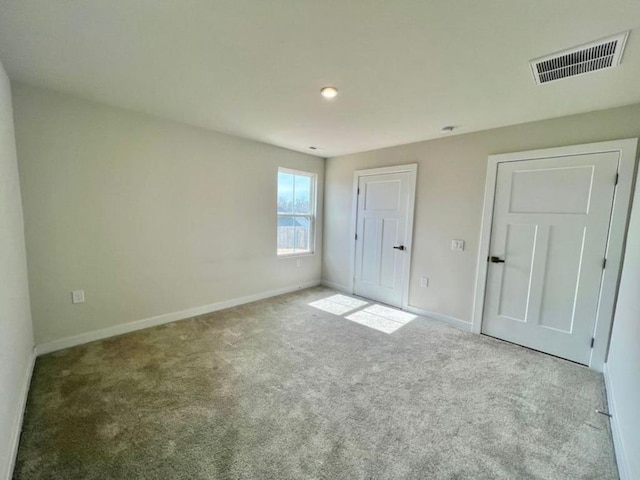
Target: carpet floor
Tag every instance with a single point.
(280, 389)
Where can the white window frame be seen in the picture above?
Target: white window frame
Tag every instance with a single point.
(311, 216)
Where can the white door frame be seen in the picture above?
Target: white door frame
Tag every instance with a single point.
(412, 169)
(617, 232)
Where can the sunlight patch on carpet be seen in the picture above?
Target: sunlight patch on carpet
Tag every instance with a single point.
(378, 317)
(338, 304)
(381, 318)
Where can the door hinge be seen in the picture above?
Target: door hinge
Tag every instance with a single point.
(604, 263)
(358, 190)
(356, 237)
(617, 178)
(593, 341)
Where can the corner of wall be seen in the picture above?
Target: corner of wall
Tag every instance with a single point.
(14, 435)
(618, 446)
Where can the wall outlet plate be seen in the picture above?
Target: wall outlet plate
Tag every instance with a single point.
(457, 245)
(424, 282)
(77, 296)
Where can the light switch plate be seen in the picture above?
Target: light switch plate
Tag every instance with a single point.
(77, 296)
(457, 245)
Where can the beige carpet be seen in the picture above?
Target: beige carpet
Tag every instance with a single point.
(279, 389)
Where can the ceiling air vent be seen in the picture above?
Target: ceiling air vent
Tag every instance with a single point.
(605, 53)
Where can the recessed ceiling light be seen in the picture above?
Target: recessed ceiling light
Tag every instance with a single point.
(329, 92)
(447, 129)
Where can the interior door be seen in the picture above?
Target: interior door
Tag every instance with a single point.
(548, 243)
(382, 236)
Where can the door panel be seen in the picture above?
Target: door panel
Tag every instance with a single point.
(381, 195)
(370, 250)
(390, 235)
(550, 226)
(543, 190)
(382, 223)
(562, 274)
(516, 280)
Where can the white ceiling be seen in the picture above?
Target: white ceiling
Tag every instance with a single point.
(254, 68)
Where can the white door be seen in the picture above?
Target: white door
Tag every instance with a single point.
(548, 243)
(383, 224)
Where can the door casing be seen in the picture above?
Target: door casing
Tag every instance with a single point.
(413, 170)
(626, 149)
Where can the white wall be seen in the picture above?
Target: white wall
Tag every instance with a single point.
(450, 189)
(147, 216)
(623, 364)
(16, 337)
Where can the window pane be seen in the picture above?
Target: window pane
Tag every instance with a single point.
(303, 234)
(294, 234)
(302, 194)
(285, 192)
(286, 234)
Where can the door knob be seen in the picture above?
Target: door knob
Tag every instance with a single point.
(399, 247)
(496, 260)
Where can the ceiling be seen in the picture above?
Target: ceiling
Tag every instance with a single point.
(254, 68)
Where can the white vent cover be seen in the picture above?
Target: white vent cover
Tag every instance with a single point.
(605, 53)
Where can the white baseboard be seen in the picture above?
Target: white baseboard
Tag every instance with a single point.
(456, 322)
(336, 286)
(618, 446)
(17, 428)
(162, 319)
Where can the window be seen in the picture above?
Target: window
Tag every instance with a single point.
(296, 212)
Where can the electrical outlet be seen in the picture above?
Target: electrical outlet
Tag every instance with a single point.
(297, 262)
(77, 296)
(424, 282)
(457, 245)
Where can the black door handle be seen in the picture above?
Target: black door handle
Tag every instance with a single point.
(496, 260)
(400, 247)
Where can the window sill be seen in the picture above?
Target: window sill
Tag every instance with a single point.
(295, 255)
